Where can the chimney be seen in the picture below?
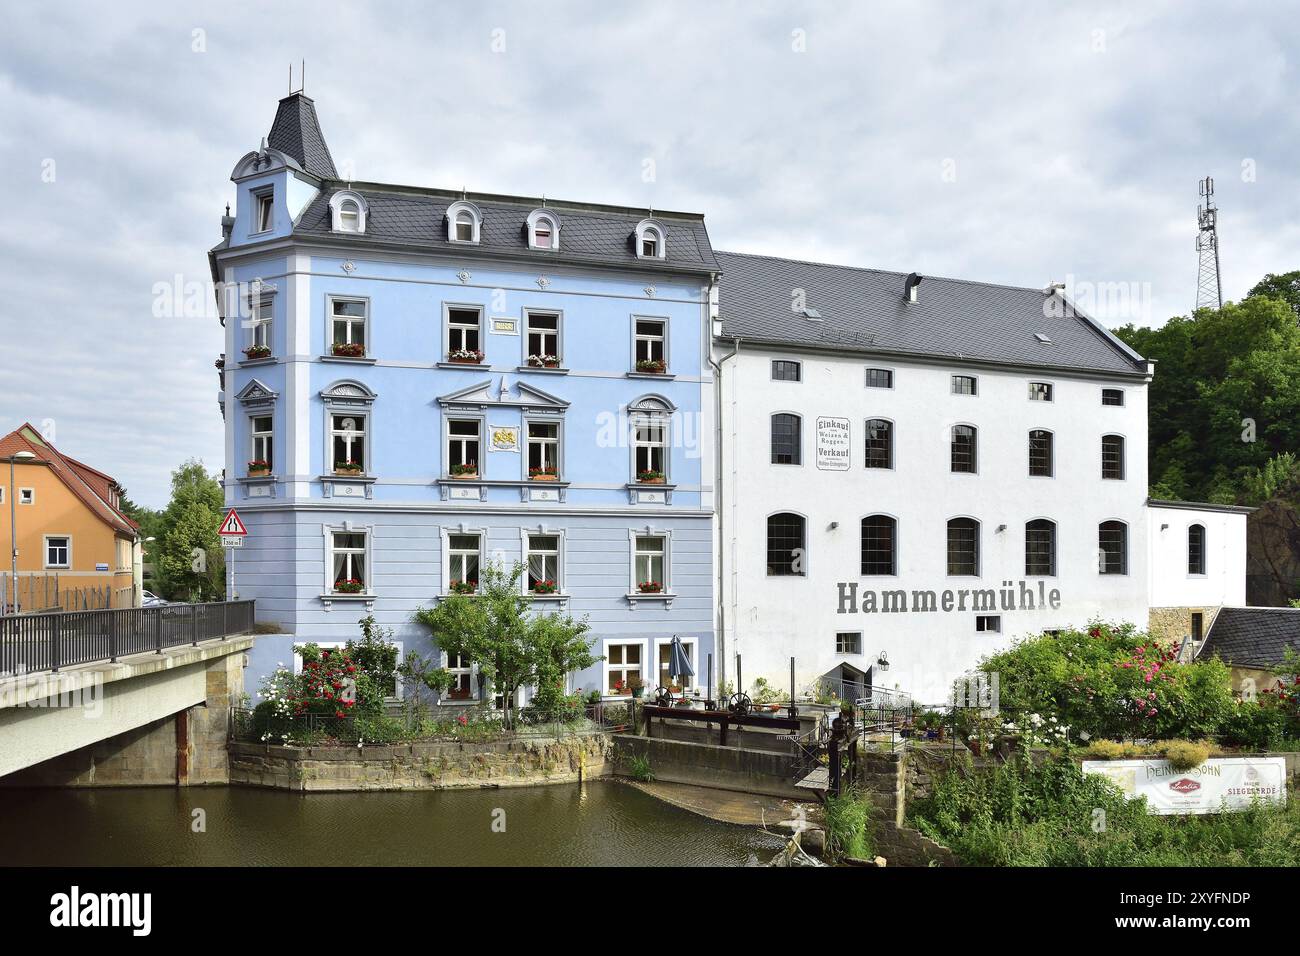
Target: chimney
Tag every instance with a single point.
(909, 287)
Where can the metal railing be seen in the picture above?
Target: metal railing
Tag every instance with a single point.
(864, 695)
(46, 642)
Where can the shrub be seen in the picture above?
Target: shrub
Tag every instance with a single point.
(1186, 755)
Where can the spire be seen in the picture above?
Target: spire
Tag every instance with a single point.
(296, 132)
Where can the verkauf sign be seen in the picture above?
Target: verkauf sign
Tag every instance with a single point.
(1221, 783)
(833, 444)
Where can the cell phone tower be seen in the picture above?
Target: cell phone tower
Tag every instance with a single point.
(1209, 290)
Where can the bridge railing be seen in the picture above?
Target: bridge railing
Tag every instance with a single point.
(46, 642)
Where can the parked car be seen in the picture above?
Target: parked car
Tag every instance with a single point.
(149, 599)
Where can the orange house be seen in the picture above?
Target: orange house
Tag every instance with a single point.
(76, 548)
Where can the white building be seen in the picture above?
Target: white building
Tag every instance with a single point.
(1197, 559)
(920, 470)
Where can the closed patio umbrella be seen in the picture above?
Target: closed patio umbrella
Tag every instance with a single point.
(679, 665)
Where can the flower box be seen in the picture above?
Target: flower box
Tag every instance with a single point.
(544, 587)
(347, 468)
(544, 361)
(459, 694)
(652, 366)
(650, 587)
(650, 477)
(463, 587)
(348, 349)
(259, 469)
(464, 471)
(543, 474)
(350, 586)
(466, 357)
(257, 352)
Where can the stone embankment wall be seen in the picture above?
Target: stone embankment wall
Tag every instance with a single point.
(435, 765)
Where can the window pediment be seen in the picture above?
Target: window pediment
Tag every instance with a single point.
(498, 393)
(348, 393)
(256, 394)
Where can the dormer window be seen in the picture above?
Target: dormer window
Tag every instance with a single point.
(543, 230)
(263, 210)
(347, 212)
(463, 222)
(650, 240)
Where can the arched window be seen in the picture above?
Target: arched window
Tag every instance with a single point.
(1040, 453)
(1112, 547)
(785, 544)
(880, 443)
(1112, 457)
(1196, 549)
(965, 457)
(786, 439)
(348, 211)
(879, 545)
(543, 230)
(650, 417)
(650, 240)
(1040, 548)
(963, 547)
(463, 222)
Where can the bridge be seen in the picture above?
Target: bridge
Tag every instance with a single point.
(128, 696)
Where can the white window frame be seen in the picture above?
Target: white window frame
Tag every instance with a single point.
(557, 442)
(624, 669)
(633, 535)
(1049, 386)
(856, 634)
(263, 202)
(349, 321)
(367, 531)
(558, 334)
(266, 438)
(27, 496)
(480, 533)
(45, 552)
(643, 420)
(662, 338)
(461, 327)
(454, 212)
(341, 199)
(525, 547)
(470, 671)
(694, 656)
(644, 230)
(448, 439)
(261, 309)
(535, 218)
(363, 430)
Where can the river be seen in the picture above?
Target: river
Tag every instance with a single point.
(599, 823)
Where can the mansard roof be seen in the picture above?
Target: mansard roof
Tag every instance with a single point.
(593, 234)
(866, 310)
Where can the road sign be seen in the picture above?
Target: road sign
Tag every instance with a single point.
(232, 541)
(232, 525)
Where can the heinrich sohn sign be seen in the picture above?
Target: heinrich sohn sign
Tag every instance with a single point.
(1221, 783)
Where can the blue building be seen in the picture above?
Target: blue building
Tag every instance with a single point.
(419, 381)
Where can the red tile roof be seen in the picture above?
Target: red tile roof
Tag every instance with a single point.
(93, 487)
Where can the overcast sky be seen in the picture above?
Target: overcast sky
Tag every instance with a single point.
(1015, 143)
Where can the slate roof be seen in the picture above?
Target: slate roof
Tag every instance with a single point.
(588, 233)
(1253, 636)
(92, 487)
(296, 132)
(865, 310)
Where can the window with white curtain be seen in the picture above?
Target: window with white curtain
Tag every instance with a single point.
(543, 562)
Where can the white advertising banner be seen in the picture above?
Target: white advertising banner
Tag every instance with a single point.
(833, 444)
(1221, 783)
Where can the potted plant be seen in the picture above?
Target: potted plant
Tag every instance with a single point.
(464, 587)
(652, 366)
(259, 468)
(544, 361)
(650, 477)
(544, 587)
(349, 586)
(622, 688)
(467, 469)
(544, 473)
(650, 587)
(257, 352)
(636, 685)
(348, 467)
(465, 356)
(349, 349)
(458, 693)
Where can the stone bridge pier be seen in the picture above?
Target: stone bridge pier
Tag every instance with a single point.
(144, 720)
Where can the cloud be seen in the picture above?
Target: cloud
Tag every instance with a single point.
(1008, 142)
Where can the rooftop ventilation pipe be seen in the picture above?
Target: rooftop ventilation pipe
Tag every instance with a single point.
(909, 286)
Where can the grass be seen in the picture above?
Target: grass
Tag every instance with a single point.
(1055, 815)
(640, 769)
(848, 826)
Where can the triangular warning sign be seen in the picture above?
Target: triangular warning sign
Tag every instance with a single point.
(232, 524)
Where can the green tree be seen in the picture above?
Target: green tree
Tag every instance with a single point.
(497, 630)
(187, 556)
(1285, 287)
